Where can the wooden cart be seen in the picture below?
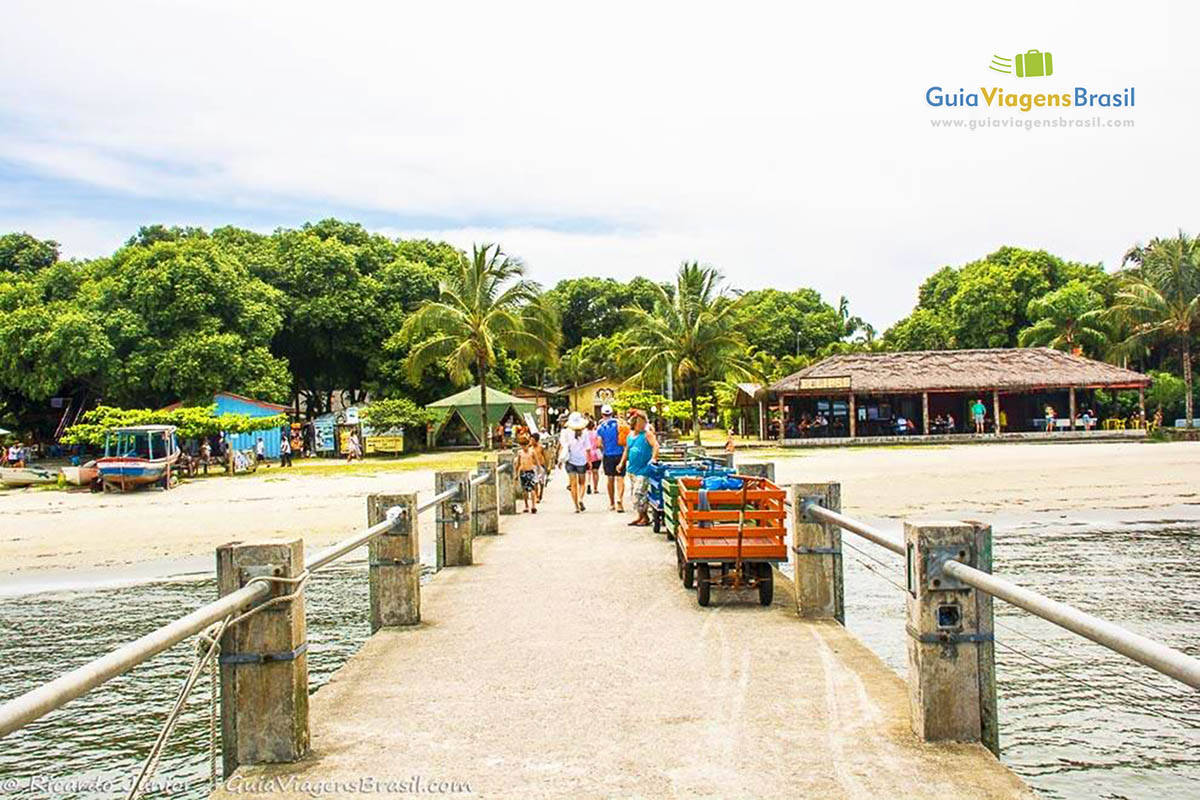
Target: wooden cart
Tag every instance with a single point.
(730, 538)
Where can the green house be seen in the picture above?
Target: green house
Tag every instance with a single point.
(460, 416)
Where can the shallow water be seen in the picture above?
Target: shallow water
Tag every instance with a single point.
(1076, 722)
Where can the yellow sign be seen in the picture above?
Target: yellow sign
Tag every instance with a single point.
(385, 444)
(841, 382)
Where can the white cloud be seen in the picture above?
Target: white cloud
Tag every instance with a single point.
(789, 144)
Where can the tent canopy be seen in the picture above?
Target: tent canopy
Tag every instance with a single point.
(466, 404)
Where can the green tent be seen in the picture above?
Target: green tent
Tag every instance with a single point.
(461, 415)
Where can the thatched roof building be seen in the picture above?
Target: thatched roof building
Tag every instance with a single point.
(932, 391)
(1012, 370)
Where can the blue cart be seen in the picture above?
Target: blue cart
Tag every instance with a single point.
(663, 491)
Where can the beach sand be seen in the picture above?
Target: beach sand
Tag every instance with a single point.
(61, 531)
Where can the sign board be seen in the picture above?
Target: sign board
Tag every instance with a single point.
(385, 444)
(840, 382)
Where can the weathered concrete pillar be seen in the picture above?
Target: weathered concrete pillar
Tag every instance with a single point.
(951, 655)
(759, 469)
(453, 519)
(484, 504)
(395, 563)
(506, 497)
(264, 665)
(818, 553)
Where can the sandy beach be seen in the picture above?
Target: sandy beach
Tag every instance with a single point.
(42, 531)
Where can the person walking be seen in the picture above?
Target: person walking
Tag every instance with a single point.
(612, 448)
(1050, 417)
(640, 450)
(285, 451)
(543, 467)
(527, 474)
(205, 454)
(260, 453)
(595, 458)
(574, 457)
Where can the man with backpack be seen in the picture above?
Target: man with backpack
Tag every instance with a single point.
(613, 433)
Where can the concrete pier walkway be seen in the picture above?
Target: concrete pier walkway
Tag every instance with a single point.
(570, 662)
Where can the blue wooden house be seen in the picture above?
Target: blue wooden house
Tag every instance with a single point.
(230, 403)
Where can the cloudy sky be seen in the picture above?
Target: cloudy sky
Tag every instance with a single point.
(788, 144)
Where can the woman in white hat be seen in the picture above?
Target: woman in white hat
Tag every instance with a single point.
(575, 454)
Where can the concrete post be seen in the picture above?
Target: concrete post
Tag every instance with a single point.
(951, 656)
(818, 553)
(759, 469)
(264, 665)
(506, 496)
(484, 504)
(395, 563)
(453, 519)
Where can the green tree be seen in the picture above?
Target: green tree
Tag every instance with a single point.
(924, 329)
(594, 307)
(20, 252)
(1069, 318)
(1159, 298)
(484, 305)
(693, 331)
(793, 323)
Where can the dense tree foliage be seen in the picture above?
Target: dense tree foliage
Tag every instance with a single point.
(192, 422)
(986, 303)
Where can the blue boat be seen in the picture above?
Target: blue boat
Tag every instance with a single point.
(138, 456)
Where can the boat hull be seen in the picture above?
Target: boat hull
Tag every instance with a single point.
(129, 473)
(27, 476)
(81, 476)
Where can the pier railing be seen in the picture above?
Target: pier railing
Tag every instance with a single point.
(256, 630)
(949, 587)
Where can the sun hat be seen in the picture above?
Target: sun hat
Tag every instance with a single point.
(576, 421)
(606, 410)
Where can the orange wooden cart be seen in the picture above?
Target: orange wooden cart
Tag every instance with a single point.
(729, 538)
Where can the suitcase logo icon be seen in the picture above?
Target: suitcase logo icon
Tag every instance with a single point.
(1030, 64)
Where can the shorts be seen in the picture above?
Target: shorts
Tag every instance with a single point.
(577, 469)
(641, 493)
(612, 468)
(596, 465)
(528, 480)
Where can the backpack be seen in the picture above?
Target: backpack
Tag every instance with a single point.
(622, 433)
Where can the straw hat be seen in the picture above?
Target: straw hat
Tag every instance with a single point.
(576, 422)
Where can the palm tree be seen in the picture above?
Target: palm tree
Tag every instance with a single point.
(484, 304)
(1159, 298)
(692, 331)
(1069, 318)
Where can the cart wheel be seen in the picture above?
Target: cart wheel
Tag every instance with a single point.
(658, 522)
(766, 585)
(689, 575)
(679, 561)
(703, 584)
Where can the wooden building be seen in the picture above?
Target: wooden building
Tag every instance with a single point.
(873, 394)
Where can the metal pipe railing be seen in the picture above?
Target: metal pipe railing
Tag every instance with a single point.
(864, 530)
(22, 710)
(36, 703)
(1155, 655)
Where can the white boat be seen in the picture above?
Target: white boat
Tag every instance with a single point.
(27, 476)
(82, 475)
(138, 456)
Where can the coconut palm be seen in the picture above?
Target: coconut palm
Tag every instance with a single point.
(693, 331)
(1159, 299)
(484, 305)
(1070, 318)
